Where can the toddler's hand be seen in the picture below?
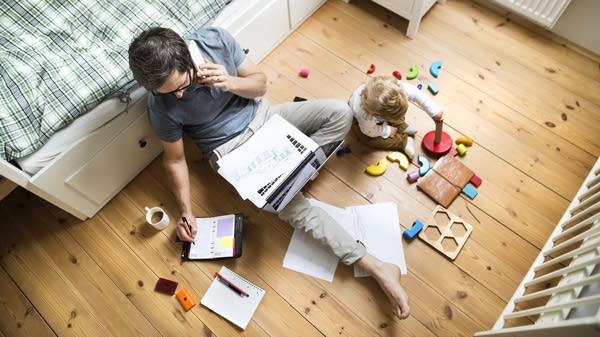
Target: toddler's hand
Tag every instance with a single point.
(439, 116)
(393, 132)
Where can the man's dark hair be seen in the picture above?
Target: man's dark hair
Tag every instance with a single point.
(154, 54)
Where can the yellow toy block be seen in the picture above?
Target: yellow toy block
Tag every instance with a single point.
(378, 169)
(399, 157)
(466, 141)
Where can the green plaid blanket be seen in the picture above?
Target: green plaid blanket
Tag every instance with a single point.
(59, 59)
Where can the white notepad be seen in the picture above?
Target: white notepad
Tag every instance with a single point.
(228, 303)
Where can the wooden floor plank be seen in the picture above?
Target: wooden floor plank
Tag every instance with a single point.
(64, 283)
(19, 316)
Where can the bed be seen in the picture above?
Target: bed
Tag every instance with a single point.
(73, 124)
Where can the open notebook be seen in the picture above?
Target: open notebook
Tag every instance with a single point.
(227, 302)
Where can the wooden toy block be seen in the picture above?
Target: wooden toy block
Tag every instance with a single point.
(371, 69)
(424, 165)
(165, 286)
(185, 300)
(397, 74)
(461, 149)
(446, 232)
(470, 191)
(412, 176)
(457, 173)
(435, 67)
(433, 88)
(413, 72)
(447, 178)
(377, 169)
(304, 72)
(438, 188)
(466, 141)
(410, 233)
(476, 181)
(400, 158)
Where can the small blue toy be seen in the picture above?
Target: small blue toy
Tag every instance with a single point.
(435, 67)
(424, 165)
(470, 191)
(410, 233)
(433, 88)
(343, 151)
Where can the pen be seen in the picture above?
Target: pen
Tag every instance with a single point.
(231, 285)
(188, 228)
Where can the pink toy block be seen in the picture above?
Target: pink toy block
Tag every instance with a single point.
(304, 72)
(412, 176)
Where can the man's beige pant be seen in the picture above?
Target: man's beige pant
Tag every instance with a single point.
(324, 121)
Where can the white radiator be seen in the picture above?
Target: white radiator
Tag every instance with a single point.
(542, 12)
(560, 295)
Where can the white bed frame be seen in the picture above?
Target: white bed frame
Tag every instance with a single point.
(85, 177)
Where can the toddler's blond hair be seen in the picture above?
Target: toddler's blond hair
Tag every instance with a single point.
(383, 97)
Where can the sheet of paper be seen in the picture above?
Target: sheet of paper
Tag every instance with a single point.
(306, 255)
(266, 155)
(378, 228)
(215, 238)
(229, 304)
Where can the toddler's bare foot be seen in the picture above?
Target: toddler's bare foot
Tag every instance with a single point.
(387, 276)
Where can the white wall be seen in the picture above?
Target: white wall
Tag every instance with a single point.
(580, 24)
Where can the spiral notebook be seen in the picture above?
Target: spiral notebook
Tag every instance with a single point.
(229, 303)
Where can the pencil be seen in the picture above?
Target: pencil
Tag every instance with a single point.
(188, 227)
(231, 286)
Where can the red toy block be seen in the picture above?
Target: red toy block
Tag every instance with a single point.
(476, 181)
(165, 286)
(397, 74)
(371, 69)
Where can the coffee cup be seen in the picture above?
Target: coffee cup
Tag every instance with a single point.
(157, 218)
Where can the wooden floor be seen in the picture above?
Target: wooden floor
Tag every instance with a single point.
(531, 103)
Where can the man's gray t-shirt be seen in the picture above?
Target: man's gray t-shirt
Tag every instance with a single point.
(209, 116)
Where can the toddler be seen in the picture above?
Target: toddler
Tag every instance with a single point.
(379, 107)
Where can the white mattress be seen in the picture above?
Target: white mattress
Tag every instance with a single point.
(82, 126)
(107, 110)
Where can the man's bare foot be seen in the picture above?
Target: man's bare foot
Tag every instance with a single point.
(387, 276)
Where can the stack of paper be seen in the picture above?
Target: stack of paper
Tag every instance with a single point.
(375, 225)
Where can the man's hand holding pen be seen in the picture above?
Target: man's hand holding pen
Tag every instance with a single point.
(186, 229)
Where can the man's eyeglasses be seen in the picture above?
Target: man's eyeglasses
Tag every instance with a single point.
(191, 75)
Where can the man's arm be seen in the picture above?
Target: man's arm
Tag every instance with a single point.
(177, 170)
(251, 82)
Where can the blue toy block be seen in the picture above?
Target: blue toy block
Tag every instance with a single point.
(410, 233)
(470, 190)
(433, 88)
(435, 67)
(424, 165)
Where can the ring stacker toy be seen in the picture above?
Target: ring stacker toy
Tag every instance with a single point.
(437, 143)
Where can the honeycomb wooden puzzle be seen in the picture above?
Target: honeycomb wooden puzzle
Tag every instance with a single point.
(446, 232)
